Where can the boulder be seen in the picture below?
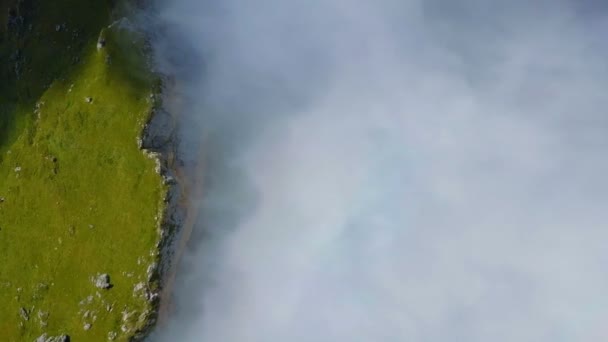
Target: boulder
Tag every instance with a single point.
(102, 281)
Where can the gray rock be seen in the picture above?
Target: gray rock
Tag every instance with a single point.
(25, 315)
(101, 43)
(87, 326)
(102, 281)
(158, 168)
(159, 131)
(43, 316)
(168, 179)
(112, 336)
(151, 296)
(139, 286)
(45, 338)
(88, 99)
(151, 271)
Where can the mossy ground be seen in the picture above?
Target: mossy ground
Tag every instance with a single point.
(77, 196)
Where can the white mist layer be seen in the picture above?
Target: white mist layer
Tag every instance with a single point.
(394, 170)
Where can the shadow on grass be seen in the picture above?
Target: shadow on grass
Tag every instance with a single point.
(40, 41)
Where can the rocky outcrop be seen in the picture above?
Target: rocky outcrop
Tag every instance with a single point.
(159, 132)
(159, 142)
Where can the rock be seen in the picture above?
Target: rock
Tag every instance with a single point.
(102, 281)
(86, 326)
(62, 338)
(2, 199)
(152, 271)
(158, 167)
(101, 43)
(25, 315)
(139, 286)
(88, 99)
(159, 131)
(151, 296)
(43, 316)
(112, 336)
(44, 338)
(59, 28)
(169, 179)
(18, 169)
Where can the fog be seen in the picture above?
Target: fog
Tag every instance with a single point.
(392, 170)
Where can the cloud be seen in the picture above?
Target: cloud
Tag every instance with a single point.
(393, 170)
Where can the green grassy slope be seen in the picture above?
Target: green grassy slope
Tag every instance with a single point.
(77, 197)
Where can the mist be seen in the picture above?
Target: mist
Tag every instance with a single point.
(392, 170)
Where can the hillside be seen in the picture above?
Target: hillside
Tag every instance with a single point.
(78, 198)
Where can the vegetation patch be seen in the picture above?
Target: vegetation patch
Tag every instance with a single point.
(79, 202)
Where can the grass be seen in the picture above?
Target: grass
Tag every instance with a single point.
(79, 197)
(40, 52)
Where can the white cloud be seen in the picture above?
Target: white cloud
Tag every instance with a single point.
(395, 171)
